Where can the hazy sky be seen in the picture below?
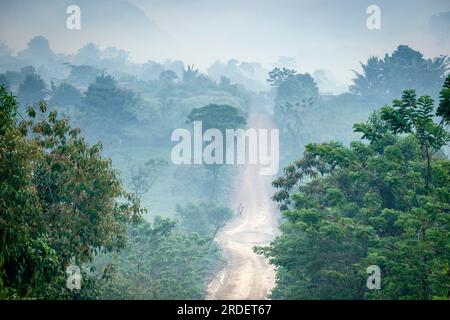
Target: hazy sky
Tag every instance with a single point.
(329, 34)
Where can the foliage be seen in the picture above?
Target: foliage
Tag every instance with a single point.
(160, 263)
(31, 90)
(190, 74)
(64, 95)
(278, 76)
(4, 81)
(295, 94)
(404, 69)
(104, 96)
(82, 75)
(384, 203)
(168, 76)
(106, 105)
(143, 177)
(15, 78)
(206, 219)
(60, 203)
(444, 102)
(219, 117)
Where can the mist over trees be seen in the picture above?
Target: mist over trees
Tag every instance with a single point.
(104, 97)
(60, 202)
(406, 68)
(294, 94)
(32, 89)
(384, 203)
(160, 263)
(64, 95)
(107, 198)
(105, 232)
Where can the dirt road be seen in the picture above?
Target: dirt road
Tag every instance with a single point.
(246, 274)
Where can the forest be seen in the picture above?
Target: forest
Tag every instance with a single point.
(93, 205)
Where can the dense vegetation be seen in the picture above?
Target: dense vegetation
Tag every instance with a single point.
(66, 198)
(304, 116)
(63, 203)
(161, 263)
(404, 69)
(385, 203)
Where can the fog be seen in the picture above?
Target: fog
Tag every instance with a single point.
(200, 149)
(329, 35)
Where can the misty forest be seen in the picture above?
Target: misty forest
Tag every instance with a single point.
(89, 192)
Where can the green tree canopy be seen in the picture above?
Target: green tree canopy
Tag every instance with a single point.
(160, 263)
(444, 101)
(60, 202)
(384, 203)
(205, 219)
(4, 80)
(404, 69)
(295, 93)
(64, 94)
(31, 90)
(104, 97)
(220, 117)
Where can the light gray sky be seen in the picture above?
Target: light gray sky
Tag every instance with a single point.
(327, 34)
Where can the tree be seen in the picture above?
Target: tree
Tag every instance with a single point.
(108, 107)
(31, 90)
(37, 52)
(415, 116)
(370, 81)
(143, 177)
(444, 102)
(82, 75)
(277, 76)
(168, 77)
(220, 117)
(404, 69)
(104, 97)
(90, 54)
(160, 263)
(15, 78)
(114, 58)
(190, 74)
(298, 88)
(218, 216)
(60, 203)
(295, 93)
(384, 203)
(247, 74)
(64, 95)
(206, 219)
(225, 82)
(4, 80)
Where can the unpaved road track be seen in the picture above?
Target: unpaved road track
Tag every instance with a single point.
(247, 275)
